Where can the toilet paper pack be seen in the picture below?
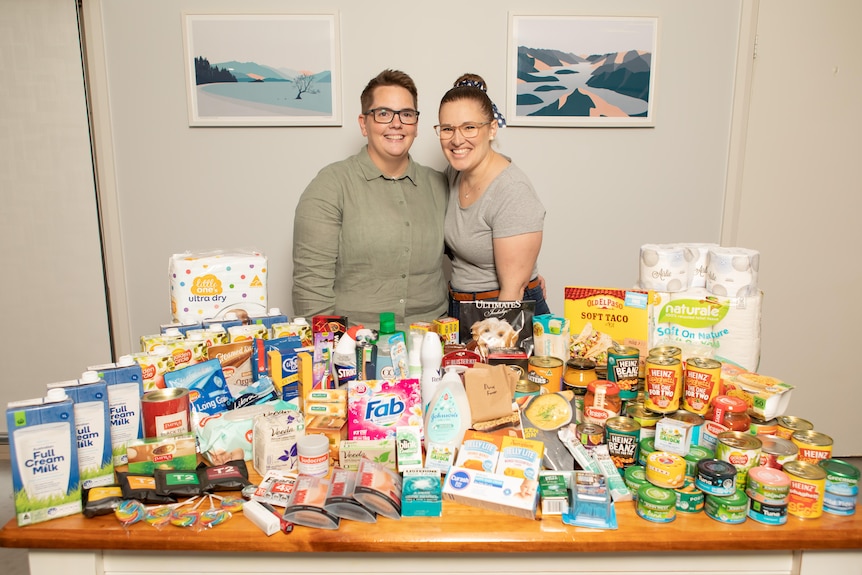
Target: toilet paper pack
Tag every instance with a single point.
(208, 285)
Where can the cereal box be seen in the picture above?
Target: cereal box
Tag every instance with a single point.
(210, 284)
(375, 408)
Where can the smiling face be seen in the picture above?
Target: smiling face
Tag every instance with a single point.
(463, 153)
(389, 144)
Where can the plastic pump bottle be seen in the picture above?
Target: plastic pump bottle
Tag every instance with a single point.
(385, 369)
(431, 355)
(344, 357)
(446, 421)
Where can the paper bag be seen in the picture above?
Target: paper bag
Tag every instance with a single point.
(490, 391)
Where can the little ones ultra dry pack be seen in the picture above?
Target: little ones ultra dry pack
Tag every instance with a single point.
(208, 285)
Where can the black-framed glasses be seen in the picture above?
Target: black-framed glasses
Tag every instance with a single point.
(468, 130)
(386, 115)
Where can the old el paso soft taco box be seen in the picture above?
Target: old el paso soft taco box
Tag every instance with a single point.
(599, 316)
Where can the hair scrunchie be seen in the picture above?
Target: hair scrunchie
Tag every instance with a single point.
(501, 121)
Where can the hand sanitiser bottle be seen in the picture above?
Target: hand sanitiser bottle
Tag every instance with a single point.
(446, 421)
(431, 355)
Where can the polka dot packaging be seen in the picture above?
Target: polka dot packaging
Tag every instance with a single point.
(210, 284)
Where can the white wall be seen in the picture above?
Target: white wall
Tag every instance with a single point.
(606, 191)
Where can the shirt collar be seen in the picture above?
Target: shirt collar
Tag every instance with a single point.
(372, 172)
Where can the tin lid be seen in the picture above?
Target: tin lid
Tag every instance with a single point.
(703, 363)
(795, 423)
(810, 437)
(639, 411)
(736, 499)
(687, 417)
(804, 470)
(778, 446)
(635, 474)
(768, 476)
(622, 423)
(716, 468)
(664, 360)
(647, 444)
(582, 363)
(698, 452)
(839, 469)
(649, 493)
(740, 440)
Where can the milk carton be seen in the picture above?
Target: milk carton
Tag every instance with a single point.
(92, 428)
(45, 477)
(125, 387)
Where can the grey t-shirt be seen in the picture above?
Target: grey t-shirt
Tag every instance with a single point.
(509, 207)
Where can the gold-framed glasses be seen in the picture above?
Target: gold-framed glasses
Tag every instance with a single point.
(467, 129)
(386, 115)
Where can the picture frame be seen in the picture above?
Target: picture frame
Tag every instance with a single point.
(581, 71)
(263, 69)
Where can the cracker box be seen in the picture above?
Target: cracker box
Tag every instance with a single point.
(375, 408)
(210, 284)
(599, 316)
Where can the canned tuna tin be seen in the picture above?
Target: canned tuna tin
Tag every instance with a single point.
(741, 450)
(525, 388)
(807, 486)
(716, 477)
(839, 504)
(766, 513)
(695, 454)
(622, 434)
(645, 446)
(547, 371)
(702, 383)
(732, 509)
(665, 469)
(790, 424)
(663, 384)
(590, 434)
(813, 446)
(767, 485)
(776, 451)
(623, 368)
(635, 477)
(689, 499)
(656, 504)
(842, 478)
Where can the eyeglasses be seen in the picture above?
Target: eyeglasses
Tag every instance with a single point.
(385, 115)
(468, 130)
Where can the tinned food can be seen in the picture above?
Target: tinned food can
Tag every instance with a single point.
(547, 372)
(731, 509)
(740, 450)
(662, 384)
(775, 451)
(790, 424)
(702, 383)
(623, 369)
(590, 434)
(646, 418)
(716, 477)
(767, 485)
(666, 350)
(842, 487)
(665, 469)
(165, 412)
(807, 487)
(622, 435)
(813, 446)
(656, 503)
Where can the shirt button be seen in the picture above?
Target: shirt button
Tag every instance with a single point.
(403, 276)
(401, 301)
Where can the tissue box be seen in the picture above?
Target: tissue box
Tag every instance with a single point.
(210, 284)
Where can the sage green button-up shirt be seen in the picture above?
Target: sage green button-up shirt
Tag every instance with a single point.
(364, 244)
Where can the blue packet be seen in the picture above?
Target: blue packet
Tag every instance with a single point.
(260, 357)
(208, 391)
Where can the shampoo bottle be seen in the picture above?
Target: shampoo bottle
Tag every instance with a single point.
(431, 356)
(385, 369)
(446, 421)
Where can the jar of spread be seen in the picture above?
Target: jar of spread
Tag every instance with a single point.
(580, 371)
(601, 401)
(731, 412)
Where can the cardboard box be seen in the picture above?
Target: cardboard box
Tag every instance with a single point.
(421, 494)
(495, 492)
(378, 450)
(599, 316)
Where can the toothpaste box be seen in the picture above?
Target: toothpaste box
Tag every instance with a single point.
(45, 478)
(421, 493)
(516, 496)
(92, 428)
(211, 284)
(375, 408)
(125, 388)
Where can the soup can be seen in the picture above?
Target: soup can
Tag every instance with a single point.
(731, 509)
(662, 384)
(623, 368)
(622, 435)
(813, 446)
(775, 451)
(702, 383)
(740, 450)
(790, 424)
(807, 487)
(547, 372)
(590, 434)
(165, 412)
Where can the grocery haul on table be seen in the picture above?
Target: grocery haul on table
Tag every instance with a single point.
(646, 397)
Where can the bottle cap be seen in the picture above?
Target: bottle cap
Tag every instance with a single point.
(300, 321)
(387, 322)
(125, 361)
(56, 394)
(89, 377)
(172, 332)
(274, 311)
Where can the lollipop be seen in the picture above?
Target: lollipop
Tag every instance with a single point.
(129, 511)
(159, 516)
(230, 503)
(184, 518)
(213, 517)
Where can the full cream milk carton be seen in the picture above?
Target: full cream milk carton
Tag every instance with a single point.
(45, 478)
(125, 382)
(92, 428)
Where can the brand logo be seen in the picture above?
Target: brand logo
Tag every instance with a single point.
(384, 410)
(605, 302)
(207, 285)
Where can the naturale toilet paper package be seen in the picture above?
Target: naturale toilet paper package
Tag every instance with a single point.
(207, 285)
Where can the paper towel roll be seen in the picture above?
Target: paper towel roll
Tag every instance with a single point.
(732, 272)
(664, 267)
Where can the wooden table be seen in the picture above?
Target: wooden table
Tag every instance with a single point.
(463, 540)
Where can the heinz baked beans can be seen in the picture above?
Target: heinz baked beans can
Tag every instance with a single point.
(702, 384)
(547, 372)
(813, 446)
(807, 487)
(165, 412)
(622, 435)
(662, 384)
(623, 369)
